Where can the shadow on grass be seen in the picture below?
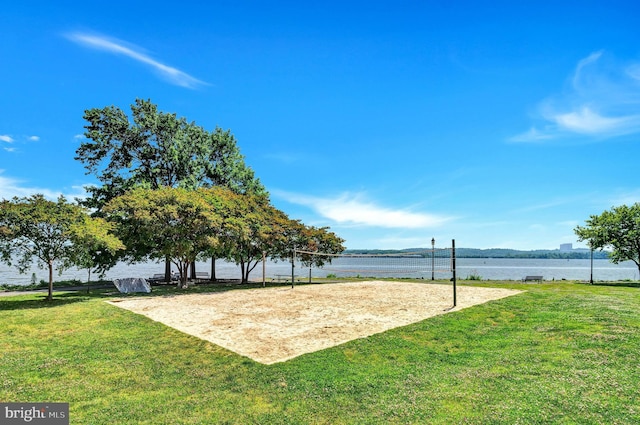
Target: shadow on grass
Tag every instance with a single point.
(63, 296)
(618, 284)
(39, 300)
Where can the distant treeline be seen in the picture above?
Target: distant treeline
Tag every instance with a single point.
(494, 253)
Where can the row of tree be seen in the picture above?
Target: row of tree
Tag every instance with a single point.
(186, 225)
(169, 190)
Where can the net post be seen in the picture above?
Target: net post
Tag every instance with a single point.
(293, 266)
(433, 258)
(453, 269)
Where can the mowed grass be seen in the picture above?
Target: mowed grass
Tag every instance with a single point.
(558, 353)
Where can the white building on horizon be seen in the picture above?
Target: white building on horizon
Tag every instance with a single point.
(566, 247)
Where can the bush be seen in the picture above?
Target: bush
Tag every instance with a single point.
(474, 276)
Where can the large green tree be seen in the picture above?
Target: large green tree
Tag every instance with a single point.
(249, 226)
(154, 149)
(252, 228)
(157, 149)
(57, 234)
(164, 223)
(618, 229)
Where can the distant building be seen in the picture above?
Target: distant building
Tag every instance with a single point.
(566, 247)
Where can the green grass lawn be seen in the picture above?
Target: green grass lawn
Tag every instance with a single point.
(559, 353)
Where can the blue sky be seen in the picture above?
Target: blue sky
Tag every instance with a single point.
(498, 124)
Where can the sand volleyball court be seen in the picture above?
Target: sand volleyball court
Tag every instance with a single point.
(271, 325)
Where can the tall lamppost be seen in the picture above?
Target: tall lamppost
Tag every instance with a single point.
(433, 253)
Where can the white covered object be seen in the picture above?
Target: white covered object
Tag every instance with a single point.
(132, 284)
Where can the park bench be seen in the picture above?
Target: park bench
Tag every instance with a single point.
(202, 276)
(158, 277)
(283, 278)
(532, 279)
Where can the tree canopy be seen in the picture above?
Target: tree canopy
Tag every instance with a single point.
(166, 223)
(58, 234)
(186, 225)
(157, 149)
(618, 229)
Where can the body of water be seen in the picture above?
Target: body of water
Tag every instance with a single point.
(486, 268)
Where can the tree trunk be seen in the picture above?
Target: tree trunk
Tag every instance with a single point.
(182, 284)
(193, 270)
(213, 269)
(242, 268)
(167, 269)
(50, 296)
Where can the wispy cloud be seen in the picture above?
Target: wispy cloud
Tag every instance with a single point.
(629, 197)
(10, 187)
(586, 121)
(119, 47)
(602, 101)
(533, 135)
(19, 140)
(354, 209)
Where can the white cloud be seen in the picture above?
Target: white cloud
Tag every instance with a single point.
(531, 136)
(578, 75)
(6, 138)
(352, 209)
(173, 75)
(34, 138)
(10, 187)
(622, 198)
(586, 121)
(602, 101)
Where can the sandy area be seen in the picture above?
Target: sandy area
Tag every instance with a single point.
(272, 325)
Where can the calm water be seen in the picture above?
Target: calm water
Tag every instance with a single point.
(486, 268)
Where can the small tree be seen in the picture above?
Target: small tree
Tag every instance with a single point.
(49, 231)
(169, 223)
(317, 239)
(618, 229)
(247, 228)
(94, 241)
(251, 227)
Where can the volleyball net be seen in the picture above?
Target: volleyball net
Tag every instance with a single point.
(419, 264)
(434, 263)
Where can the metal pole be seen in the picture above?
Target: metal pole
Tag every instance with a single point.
(293, 266)
(433, 253)
(453, 264)
(264, 268)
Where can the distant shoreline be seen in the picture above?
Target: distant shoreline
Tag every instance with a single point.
(555, 254)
